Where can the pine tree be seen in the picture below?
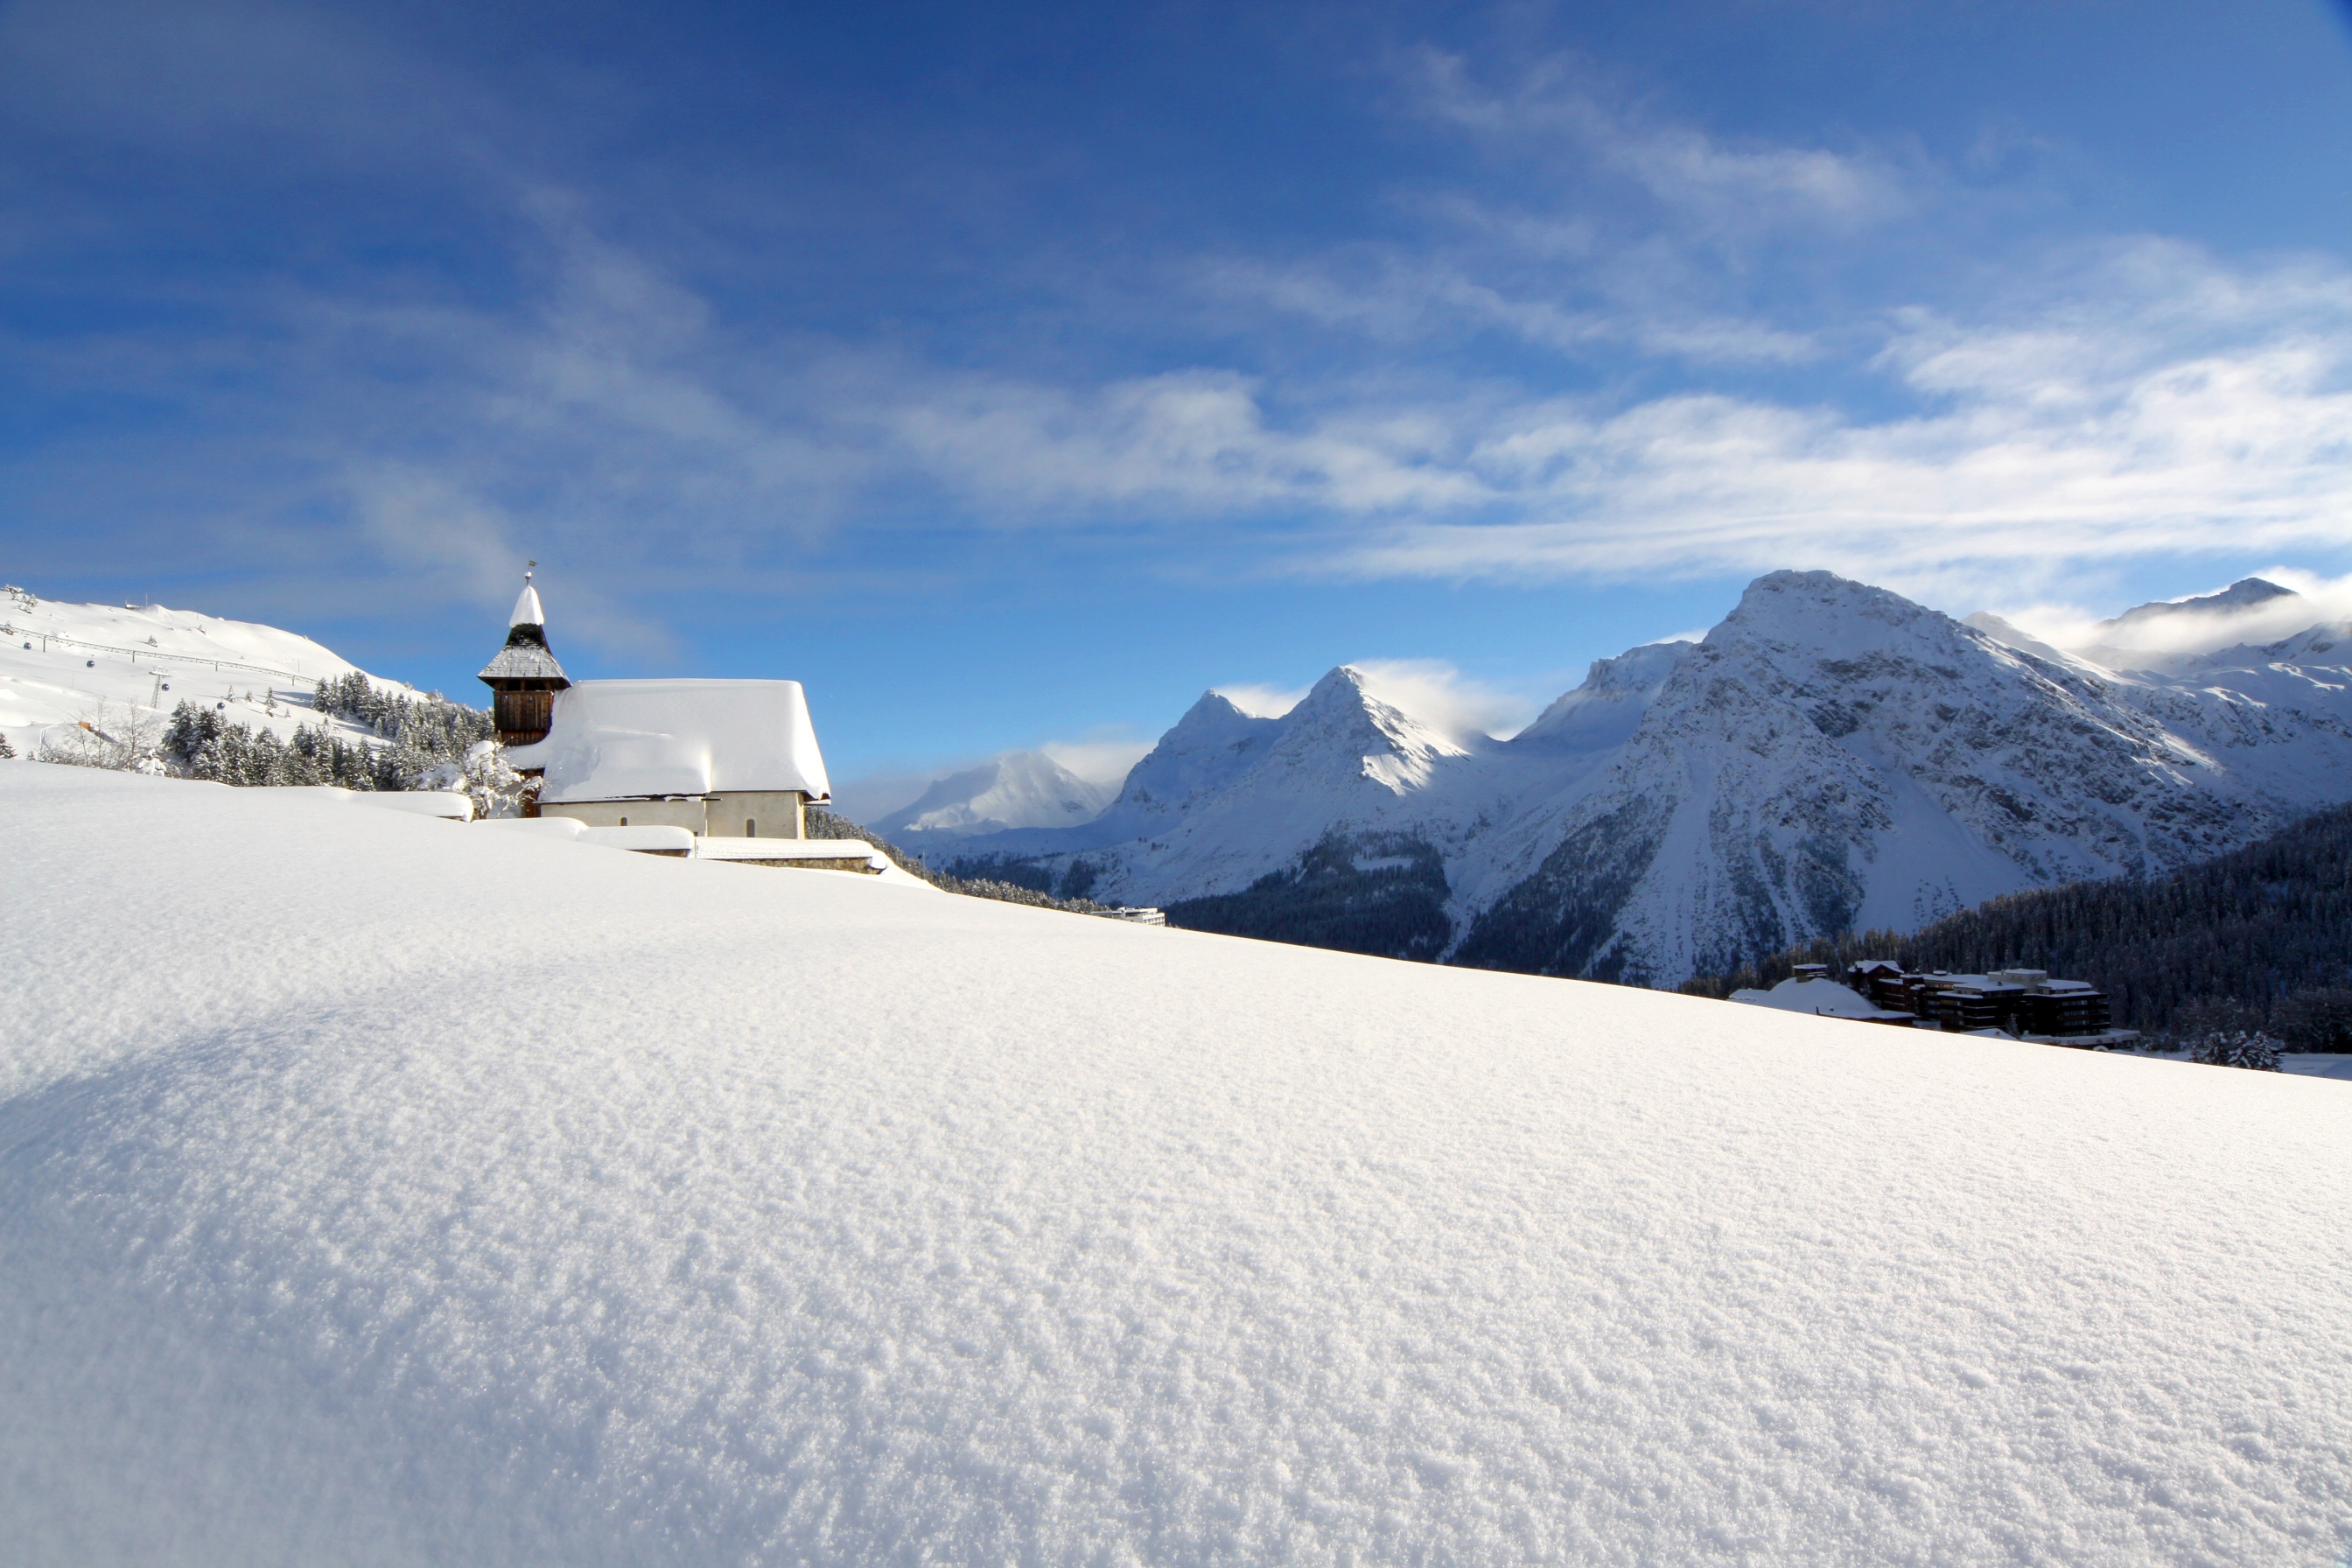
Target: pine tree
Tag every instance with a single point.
(2255, 1051)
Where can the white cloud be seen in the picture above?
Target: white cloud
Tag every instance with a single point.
(2322, 600)
(1192, 442)
(1263, 701)
(2167, 406)
(1103, 760)
(1401, 297)
(1441, 697)
(2155, 403)
(1556, 105)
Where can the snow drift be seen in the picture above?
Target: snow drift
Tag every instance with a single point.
(383, 1190)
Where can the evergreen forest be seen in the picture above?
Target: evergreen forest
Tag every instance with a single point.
(419, 739)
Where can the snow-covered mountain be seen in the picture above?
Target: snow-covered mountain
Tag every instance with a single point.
(61, 663)
(1832, 755)
(1019, 789)
(2172, 634)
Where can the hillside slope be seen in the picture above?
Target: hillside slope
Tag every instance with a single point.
(394, 1191)
(62, 663)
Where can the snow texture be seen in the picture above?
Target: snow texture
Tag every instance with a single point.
(380, 1190)
(450, 805)
(639, 840)
(620, 739)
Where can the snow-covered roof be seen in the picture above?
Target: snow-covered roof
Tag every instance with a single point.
(619, 739)
(526, 657)
(1826, 998)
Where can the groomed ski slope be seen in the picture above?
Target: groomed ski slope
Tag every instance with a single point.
(379, 1190)
(62, 663)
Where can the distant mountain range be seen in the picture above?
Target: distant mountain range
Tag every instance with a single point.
(1831, 756)
(1020, 789)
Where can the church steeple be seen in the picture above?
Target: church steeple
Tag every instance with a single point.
(524, 676)
(527, 612)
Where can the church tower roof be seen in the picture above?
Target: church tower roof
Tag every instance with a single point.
(526, 662)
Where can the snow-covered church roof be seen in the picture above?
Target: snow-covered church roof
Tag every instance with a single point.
(525, 655)
(617, 740)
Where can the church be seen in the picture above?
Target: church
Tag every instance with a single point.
(722, 759)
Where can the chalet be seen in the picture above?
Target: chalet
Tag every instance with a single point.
(723, 760)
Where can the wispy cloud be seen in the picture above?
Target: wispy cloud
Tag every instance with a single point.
(1558, 105)
(1263, 701)
(1100, 759)
(1441, 697)
(2319, 600)
(2166, 404)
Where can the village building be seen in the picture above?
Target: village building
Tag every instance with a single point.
(725, 761)
(2023, 1004)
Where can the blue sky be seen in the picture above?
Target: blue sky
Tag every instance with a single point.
(1011, 374)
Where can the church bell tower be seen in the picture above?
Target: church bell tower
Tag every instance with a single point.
(524, 676)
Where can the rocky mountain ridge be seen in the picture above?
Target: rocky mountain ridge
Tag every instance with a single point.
(1830, 755)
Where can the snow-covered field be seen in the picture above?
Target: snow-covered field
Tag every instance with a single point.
(62, 663)
(382, 1190)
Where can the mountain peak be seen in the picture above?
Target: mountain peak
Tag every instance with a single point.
(1215, 709)
(1343, 727)
(1212, 745)
(1604, 710)
(1820, 610)
(2243, 595)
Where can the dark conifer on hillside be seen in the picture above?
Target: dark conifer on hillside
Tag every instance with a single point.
(2257, 1052)
(430, 723)
(2259, 939)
